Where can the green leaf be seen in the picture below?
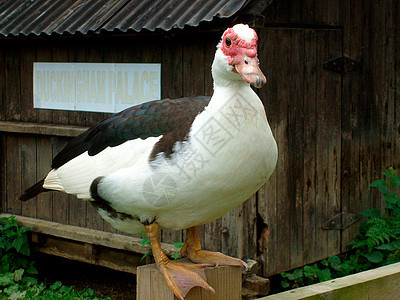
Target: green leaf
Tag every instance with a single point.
(12, 290)
(8, 246)
(285, 284)
(383, 191)
(18, 274)
(25, 250)
(175, 255)
(309, 269)
(388, 246)
(334, 260)
(178, 244)
(345, 268)
(392, 199)
(325, 262)
(310, 272)
(17, 244)
(298, 273)
(89, 292)
(32, 270)
(29, 280)
(145, 255)
(290, 276)
(25, 229)
(6, 279)
(378, 183)
(396, 212)
(145, 242)
(324, 274)
(396, 180)
(373, 212)
(389, 172)
(56, 285)
(374, 256)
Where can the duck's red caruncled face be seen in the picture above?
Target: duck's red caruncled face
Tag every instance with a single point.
(241, 54)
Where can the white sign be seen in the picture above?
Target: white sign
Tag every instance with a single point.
(94, 86)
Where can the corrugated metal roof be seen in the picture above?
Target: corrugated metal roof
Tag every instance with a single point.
(60, 16)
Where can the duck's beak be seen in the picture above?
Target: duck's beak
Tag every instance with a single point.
(250, 71)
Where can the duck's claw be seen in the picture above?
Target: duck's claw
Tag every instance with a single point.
(214, 258)
(192, 248)
(181, 277)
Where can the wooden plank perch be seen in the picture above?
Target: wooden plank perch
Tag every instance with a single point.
(111, 250)
(227, 282)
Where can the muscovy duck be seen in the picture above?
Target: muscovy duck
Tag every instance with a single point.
(178, 163)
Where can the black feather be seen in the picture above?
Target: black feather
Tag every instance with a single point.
(150, 119)
(33, 191)
(170, 118)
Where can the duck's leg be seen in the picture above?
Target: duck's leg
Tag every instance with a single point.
(192, 249)
(180, 277)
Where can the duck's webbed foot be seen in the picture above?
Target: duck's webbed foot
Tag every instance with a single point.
(192, 249)
(180, 277)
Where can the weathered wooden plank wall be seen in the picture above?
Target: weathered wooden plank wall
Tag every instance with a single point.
(369, 124)
(335, 133)
(303, 103)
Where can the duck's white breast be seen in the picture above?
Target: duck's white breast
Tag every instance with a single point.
(229, 154)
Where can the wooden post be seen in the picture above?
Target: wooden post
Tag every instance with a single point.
(227, 282)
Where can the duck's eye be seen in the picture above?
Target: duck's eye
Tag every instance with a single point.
(228, 42)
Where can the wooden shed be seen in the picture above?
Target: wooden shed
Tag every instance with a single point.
(332, 99)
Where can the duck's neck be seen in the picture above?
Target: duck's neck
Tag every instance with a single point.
(231, 91)
(222, 73)
(228, 85)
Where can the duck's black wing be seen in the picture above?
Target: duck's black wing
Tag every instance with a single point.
(171, 118)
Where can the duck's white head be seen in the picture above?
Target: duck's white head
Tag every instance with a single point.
(236, 58)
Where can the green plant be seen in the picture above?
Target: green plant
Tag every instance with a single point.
(14, 249)
(17, 269)
(145, 243)
(379, 237)
(307, 275)
(389, 188)
(377, 244)
(178, 245)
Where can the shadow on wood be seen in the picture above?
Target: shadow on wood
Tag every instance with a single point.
(227, 282)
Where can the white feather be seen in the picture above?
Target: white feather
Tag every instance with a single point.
(245, 32)
(76, 176)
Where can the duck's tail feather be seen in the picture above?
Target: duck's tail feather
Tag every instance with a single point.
(33, 191)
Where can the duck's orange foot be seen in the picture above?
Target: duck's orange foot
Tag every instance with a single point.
(181, 277)
(214, 258)
(192, 249)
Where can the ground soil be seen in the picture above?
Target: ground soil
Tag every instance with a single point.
(106, 282)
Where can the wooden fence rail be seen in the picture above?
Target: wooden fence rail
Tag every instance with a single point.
(43, 129)
(381, 283)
